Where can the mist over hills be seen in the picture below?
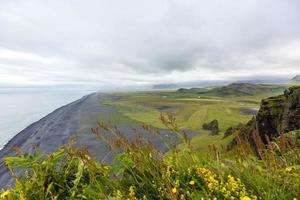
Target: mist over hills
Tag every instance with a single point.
(295, 80)
(210, 83)
(165, 86)
(236, 89)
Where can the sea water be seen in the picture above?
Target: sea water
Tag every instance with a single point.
(20, 107)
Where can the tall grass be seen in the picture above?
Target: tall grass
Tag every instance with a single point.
(139, 171)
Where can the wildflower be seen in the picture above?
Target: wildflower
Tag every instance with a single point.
(288, 169)
(192, 182)
(132, 191)
(188, 193)
(118, 194)
(4, 194)
(174, 190)
(223, 190)
(232, 183)
(245, 198)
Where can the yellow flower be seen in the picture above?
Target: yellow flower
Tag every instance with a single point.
(223, 190)
(288, 169)
(132, 191)
(174, 190)
(192, 182)
(4, 194)
(245, 198)
(188, 193)
(118, 194)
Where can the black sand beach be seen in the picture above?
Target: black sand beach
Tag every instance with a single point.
(75, 119)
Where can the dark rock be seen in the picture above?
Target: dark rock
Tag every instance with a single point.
(244, 133)
(229, 132)
(280, 114)
(277, 115)
(213, 126)
(232, 130)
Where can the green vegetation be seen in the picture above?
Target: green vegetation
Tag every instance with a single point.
(197, 168)
(191, 112)
(237, 89)
(141, 172)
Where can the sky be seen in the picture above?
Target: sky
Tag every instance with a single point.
(132, 42)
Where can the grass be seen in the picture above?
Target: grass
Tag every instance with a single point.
(199, 168)
(190, 113)
(141, 172)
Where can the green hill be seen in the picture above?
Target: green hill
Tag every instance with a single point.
(236, 89)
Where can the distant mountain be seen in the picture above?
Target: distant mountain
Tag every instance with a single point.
(164, 86)
(236, 89)
(295, 80)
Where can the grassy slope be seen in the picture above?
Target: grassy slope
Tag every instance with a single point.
(190, 111)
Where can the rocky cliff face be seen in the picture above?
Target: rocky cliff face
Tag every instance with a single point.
(279, 114)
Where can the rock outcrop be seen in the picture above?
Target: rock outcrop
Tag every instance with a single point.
(277, 115)
(231, 130)
(280, 114)
(212, 126)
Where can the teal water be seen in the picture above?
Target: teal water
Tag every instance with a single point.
(20, 107)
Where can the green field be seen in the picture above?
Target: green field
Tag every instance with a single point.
(191, 112)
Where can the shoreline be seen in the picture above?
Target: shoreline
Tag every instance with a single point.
(48, 133)
(38, 121)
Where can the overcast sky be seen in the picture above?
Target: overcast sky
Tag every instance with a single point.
(46, 42)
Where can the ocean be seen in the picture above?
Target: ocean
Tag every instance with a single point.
(20, 107)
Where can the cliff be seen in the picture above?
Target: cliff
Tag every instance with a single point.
(277, 115)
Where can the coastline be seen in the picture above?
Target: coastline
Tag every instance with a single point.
(74, 119)
(43, 133)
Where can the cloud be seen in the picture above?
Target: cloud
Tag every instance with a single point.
(137, 41)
